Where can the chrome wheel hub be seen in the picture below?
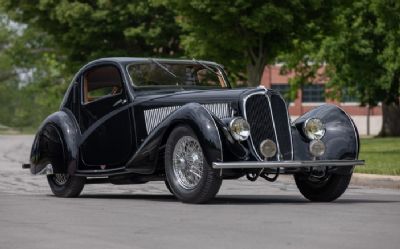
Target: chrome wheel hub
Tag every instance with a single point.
(60, 179)
(188, 162)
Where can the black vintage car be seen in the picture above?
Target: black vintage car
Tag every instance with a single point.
(135, 120)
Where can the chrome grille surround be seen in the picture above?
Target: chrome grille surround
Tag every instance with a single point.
(155, 116)
(252, 143)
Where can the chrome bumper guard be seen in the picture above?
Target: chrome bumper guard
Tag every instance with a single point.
(285, 164)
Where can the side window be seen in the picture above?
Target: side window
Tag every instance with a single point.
(101, 82)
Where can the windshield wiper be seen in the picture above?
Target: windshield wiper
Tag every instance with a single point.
(163, 67)
(207, 67)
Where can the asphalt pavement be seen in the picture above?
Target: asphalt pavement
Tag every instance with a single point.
(244, 215)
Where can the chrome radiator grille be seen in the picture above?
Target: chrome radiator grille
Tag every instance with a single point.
(283, 132)
(268, 119)
(155, 116)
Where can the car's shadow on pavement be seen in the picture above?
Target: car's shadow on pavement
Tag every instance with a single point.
(234, 199)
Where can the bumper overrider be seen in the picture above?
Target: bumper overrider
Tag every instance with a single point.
(286, 164)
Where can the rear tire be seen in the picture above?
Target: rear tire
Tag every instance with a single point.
(190, 177)
(64, 185)
(326, 190)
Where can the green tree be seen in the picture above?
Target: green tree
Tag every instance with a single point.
(55, 38)
(86, 30)
(247, 34)
(31, 84)
(6, 38)
(8, 75)
(361, 56)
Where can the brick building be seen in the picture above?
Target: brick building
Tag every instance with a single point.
(313, 95)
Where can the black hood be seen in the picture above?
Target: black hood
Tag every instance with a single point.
(161, 98)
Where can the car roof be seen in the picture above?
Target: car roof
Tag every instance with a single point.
(128, 60)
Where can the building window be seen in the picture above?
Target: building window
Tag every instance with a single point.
(283, 89)
(347, 96)
(313, 93)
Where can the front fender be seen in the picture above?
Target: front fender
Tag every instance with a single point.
(341, 137)
(56, 142)
(193, 115)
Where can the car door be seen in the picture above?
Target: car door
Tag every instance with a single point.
(104, 119)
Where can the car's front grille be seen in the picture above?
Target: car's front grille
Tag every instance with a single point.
(269, 124)
(281, 119)
(258, 115)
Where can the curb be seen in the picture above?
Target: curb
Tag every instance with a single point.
(364, 180)
(375, 181)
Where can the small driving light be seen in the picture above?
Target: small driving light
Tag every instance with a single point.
(268, 148)
(317, 148)
(314, 128)
(239, 129)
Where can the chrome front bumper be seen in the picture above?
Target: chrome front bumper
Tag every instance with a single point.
(285, 164)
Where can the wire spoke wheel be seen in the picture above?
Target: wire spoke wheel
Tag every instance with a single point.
(190, 178)
(60, 179)
(188, 162)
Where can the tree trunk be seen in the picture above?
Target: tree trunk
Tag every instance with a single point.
(390, 120)
(253, 75)
(255, 68)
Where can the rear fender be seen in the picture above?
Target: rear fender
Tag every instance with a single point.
(56, 143)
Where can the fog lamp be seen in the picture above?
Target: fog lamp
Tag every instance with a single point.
(268, 148)
(317, 148)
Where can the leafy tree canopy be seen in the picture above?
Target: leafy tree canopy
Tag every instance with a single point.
(86, 30)
(361, 57)
(30, 76)
(50, 40)
(247, 33)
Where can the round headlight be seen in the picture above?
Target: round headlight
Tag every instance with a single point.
(239, 129)
(314, 128)
(317, 148)
(268, 148)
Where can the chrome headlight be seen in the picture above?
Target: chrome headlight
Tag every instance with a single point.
(314, 128)
(239, 129)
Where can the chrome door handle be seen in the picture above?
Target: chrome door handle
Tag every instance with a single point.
(120, 102)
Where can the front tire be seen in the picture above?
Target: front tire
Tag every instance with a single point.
(323, 190)
(190, 177)
(64, 185)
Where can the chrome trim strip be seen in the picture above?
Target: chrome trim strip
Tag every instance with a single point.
(155, 116)
(285, 164)
(245, 117)
(273, 125)
(289, 124)
(94, 171)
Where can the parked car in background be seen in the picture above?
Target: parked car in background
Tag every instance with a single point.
(136, 120)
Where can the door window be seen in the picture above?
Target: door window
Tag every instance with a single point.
(101, 82)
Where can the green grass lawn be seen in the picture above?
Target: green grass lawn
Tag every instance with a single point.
(381, 155)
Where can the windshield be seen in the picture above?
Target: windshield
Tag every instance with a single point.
(187, 75)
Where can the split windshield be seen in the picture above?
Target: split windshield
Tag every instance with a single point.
(157, 73)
